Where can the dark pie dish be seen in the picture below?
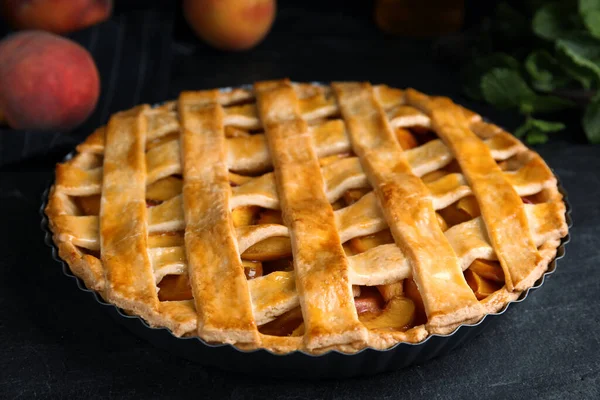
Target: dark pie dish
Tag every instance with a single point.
(67, 219)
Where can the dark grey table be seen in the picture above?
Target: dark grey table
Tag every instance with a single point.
(57, 343)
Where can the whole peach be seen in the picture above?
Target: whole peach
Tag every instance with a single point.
(230, 24)
(48, 82)
(58, 16)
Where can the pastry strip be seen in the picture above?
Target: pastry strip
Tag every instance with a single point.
(319, 260)
(123, 242)
(164, 160)
(275, 293)
(408, 209)
(501, 207)
(216, 273)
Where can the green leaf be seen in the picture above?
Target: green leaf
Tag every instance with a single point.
(536, 137)
(546, 126)
(535, 130)
(591, 121)
(545, 71)
(583, 51)
(473, 72)
(540, 125)
(505, 88)
(589, 10)
(555, 20)
(585, 76)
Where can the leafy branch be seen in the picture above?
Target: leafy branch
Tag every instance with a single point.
(538, 55)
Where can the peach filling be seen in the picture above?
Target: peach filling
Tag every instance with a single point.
(484, 277)
(284, 325)
(89, 205)
(383, 306)
(395, 306)
(177, 287)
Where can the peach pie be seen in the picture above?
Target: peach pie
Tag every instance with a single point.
(290, 216)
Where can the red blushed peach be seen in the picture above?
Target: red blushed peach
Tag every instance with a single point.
(58, 16)
(48, 82)
(230, 24)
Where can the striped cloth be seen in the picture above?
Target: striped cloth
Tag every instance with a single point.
(133, 54)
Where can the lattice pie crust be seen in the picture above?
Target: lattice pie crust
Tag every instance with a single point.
(306, 217)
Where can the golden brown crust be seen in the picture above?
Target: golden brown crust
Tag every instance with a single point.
(77, 233)
(215, 268)
(409, 212)
(319, 260)
(128, 273)
(500, 205)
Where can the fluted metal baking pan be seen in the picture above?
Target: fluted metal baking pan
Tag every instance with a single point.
(298, 364)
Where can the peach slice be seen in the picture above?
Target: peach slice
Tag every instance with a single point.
(453, 167)
(412, 292)
(425, 134)
(164, 189)
(167, 239)
(526, 200)
(348, 249)
(299, 331)
(338, 204)
(391, 290)
(269, 249)
(175, 288)
(469, 205)
(252, 269)
(364, 243)
(238, 180)
(90, 205)
(538, 198)
(283, 325)
(398, 315)
(490, 270)
(353, 195)
(369, 301)
(282, 264)
(504, 165)
(244, 215)
(266, 216)
(454, 216)
(442, 222)
(405, 138)
(434, 176)
(480, 286)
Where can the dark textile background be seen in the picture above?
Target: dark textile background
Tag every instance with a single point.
(57, 343)
(133, 53)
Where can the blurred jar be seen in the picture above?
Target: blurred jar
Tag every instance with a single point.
(420, 17)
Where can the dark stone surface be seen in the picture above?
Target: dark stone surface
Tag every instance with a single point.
(57, 343)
